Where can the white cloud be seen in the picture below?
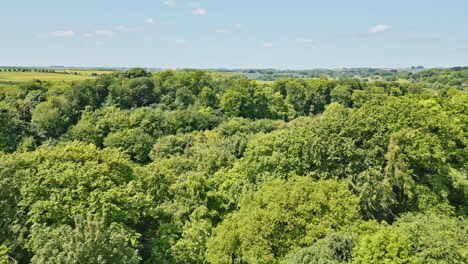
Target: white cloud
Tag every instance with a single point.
(170, 2)
(222, 31)
(150, 21)
(100, 33)
(199, 12)
(58, 34)
(131, 29)
(268, 45)
(99, 43)
(237, 26)
(378, 28)
(305, 41)
(104, 33)
(192, 4)
(180, 41)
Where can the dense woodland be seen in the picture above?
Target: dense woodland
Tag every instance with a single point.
(202, 167)
(435, 79)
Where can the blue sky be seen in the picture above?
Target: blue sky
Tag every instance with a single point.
(288, 34)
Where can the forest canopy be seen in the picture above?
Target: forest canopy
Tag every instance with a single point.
(193, 166)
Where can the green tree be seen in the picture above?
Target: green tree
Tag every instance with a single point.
(296, 96)
(387, 245)
(184, 98)
(27, 106)
(137, 73)
(319, 94)
(358, 98)
(11, 129)
(436, 238)
(87, 94)
(334, 248)
(341, 94)
(170, 145)
(135, 141)
(4, 257)
(53, 185)
(89, 241)
(120, 96)
(231, 103)
(282, 216)
(208, 97)
(52, 117)
(142, 91)
(394, 161)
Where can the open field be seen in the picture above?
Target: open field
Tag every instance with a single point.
(83, 72)
(17, 77)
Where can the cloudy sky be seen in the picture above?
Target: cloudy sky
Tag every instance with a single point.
(294, 34)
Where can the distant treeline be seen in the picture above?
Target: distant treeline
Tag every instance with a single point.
(437, 79)
(26, 70)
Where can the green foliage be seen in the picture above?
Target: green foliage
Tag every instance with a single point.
(359, 97)
(95, 127)
(135, 141)
(53, 185)
(208, 97)
(388, 245)
(193, 166)
(335, 111)
(170, 146)
(231, 103)
(436, 238)
(142, 91)
(134, 92)
(191, 247)
(438, 79)
(11, 129)
(334, 248)
(235, 126)
(415, 238)
(295, 95)
(52, 117)
(4, 257)
(399, 155)
(245, 99)
(27, 106)
(88, 94)
(78, 178)
(89, 241)
(341, 94)
(281, 216)
(137, 73)
(120, 96)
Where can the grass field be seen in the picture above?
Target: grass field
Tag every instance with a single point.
(83, 72)
(17, 77)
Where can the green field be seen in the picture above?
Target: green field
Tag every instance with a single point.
(17, 77)
(83, 72)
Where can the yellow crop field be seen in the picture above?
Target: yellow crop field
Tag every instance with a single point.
(83, 72)
(16, 77)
